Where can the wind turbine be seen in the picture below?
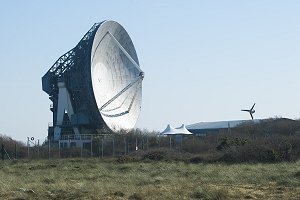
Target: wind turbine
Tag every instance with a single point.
(251, 111)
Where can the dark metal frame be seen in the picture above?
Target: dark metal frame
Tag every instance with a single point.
(73, 68)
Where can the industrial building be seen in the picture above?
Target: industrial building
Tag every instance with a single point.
(203, 128)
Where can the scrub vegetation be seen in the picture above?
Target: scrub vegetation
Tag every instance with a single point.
(147, 179)
(252, 161)
(271, 140)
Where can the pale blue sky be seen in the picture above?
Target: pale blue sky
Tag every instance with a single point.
(203, 60)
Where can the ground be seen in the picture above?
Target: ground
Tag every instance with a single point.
(109, 179)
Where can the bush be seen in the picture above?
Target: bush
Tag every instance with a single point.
(155, 155)
(135, 196)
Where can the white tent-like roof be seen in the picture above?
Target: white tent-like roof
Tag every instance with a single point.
(176, 131)
(169, 131)
(183, 131)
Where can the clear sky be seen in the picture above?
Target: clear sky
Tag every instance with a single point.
(203, 60)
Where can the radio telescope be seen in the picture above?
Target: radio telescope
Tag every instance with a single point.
(97, 85)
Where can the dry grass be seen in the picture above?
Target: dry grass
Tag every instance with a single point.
(107, 179)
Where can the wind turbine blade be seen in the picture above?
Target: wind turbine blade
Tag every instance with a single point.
(251, 116)
(252, 106)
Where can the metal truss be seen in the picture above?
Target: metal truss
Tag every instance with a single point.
(66, 61)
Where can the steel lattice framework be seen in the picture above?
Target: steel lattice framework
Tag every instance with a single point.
(74, 70)
(77, 60)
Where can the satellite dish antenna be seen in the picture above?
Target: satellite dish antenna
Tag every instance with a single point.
(251, 111)
(97, 85)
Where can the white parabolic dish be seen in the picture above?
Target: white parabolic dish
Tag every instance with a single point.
(116, 76)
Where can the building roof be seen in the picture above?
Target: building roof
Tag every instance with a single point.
(176, 131)
(183, 131)
(219, 124)
(169, 130)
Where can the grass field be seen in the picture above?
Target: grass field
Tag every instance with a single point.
(108, 179)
